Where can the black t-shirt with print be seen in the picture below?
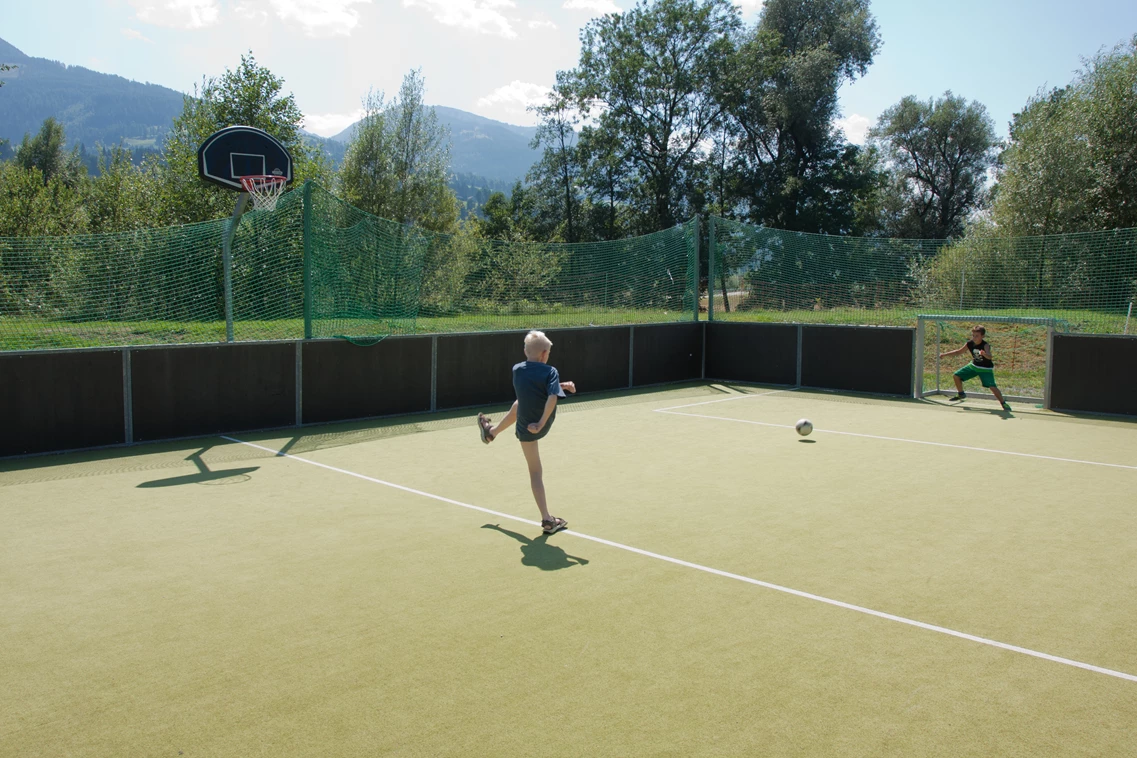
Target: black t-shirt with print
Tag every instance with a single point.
(978, 358)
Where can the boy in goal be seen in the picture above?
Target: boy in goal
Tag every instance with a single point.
(981, 366)
(537, 386)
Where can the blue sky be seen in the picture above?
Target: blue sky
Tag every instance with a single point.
(493, 57)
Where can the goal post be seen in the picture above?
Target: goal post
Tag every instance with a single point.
(1021, 347)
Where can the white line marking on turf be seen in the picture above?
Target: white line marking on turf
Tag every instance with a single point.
(716, 572)
(727, 399)
(901, 439)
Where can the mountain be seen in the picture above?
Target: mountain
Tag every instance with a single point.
(110, 110)
(481, 146)
(93, 107)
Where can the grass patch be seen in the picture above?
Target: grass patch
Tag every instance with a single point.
(38, 334)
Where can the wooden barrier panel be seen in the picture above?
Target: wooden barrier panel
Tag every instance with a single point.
(474, 369)
(343, 381)
(666, 353)
(858, 359)
(61, 401)
(1094, 374)
(188, 391)
(759, 353)
(596, 358)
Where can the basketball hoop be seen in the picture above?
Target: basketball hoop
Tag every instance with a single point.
(265, 190)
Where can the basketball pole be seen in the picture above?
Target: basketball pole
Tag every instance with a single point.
(227, 262)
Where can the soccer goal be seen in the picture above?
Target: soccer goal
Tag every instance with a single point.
(1020, 346)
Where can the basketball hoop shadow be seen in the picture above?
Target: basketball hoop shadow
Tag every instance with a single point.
(204, 475)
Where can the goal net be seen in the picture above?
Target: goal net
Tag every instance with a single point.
(1019, 346)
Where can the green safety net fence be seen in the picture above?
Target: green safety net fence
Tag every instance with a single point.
(1087, 281)
(318, 267)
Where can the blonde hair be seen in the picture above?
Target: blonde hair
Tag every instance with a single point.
(535, 344)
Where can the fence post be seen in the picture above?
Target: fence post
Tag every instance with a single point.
(918, 360)
(127, 397)
(227, 262)
(694, 265)
(712, 248)
(299, 366)
(434, 373)
(800, 339)
(1047, 382)
(308, 259)
(939, 342)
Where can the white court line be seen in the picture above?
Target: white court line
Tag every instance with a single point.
(727, 399)
(901, 439)
(716, 572)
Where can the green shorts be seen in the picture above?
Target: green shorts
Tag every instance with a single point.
(970, 371)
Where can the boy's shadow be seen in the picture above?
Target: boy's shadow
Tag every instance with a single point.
(539, 553)
(1004, 415)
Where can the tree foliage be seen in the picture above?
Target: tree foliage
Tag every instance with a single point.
(1071, 163)
(122, 196)
(398, 163)
(556, 176)
(34, 206)
(938, 153)
(250, 95)
(793, 168)
(46, 151)
(652, 78)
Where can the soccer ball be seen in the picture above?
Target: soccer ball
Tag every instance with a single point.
(804, 427)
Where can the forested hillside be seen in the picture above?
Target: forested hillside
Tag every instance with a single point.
(93, 107)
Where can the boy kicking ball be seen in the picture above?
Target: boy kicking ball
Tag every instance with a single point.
(982, 366)
(537, 386)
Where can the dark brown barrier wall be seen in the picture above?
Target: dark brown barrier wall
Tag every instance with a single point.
(345, 381)
(759, 353)
(596, 358)
(60, 401)
(666, 353)
(187, 391)
(474, 369)
(1094, 374)
(857, 359)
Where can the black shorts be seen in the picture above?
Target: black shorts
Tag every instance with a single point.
(525, 435)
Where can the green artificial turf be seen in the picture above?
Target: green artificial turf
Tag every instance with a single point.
(211, 599)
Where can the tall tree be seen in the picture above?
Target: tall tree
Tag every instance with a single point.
(938, 153)
(398, 163)
(1071, 163)
(605, 176)
(250, 95)
(653, 76)
(46, 151)
(796, 171)
(5, 67)
(556, 175)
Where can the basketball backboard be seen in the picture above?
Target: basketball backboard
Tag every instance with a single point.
(238, 151)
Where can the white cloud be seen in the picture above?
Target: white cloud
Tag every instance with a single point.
(320, 18)
(180, 14)
(250, 11)
(600, 7)
(483, 16)
(135, 34)
(330, 124)
(750, 5)
(543, 23)
(515, 98)
(855, 127)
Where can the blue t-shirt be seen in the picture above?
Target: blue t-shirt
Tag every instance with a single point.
(533, 382)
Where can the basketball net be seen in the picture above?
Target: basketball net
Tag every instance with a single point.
(264, 189)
